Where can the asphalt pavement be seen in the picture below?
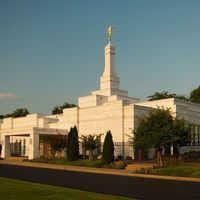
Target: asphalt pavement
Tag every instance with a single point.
(132, 187)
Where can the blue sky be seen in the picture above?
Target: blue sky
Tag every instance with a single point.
(53, 51)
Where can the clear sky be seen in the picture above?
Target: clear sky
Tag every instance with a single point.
(52, 51)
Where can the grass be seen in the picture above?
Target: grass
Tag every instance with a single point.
(182, 171)
(20, 190)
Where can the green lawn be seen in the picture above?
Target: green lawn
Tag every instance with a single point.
(11, 189)
(182, 170)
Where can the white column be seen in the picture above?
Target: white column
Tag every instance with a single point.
(5, 146)
(171, 150)
(34, 146)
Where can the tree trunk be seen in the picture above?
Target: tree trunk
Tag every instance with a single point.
(90, 155)
(59, 153)
(159, 158)
(139, 156)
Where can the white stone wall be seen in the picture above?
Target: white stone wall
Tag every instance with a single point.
(31, 120)
(128, 117)
(100, 119)
(7, 123)
(188, 110)
(68, 119)
(163, 103)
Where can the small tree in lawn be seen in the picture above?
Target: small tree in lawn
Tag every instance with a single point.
(108, 148)
(72, 144)
(91, 143)
(154, 131)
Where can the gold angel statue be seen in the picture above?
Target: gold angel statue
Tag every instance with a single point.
(109, 32)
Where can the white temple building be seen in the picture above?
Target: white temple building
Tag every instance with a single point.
(108, 108)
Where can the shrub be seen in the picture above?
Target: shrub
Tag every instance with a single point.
(72, 144)
(119, 165)
(108, 148)
(142, 170)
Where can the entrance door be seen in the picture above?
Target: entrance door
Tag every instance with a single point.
(16, 148)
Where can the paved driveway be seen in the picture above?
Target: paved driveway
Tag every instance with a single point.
(133, 187)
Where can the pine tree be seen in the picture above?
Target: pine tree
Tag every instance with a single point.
(76, 144)
(108, 148)
(72, 144)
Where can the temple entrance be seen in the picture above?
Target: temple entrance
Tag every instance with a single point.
(52, 145)
(32, 143)
(18, 148)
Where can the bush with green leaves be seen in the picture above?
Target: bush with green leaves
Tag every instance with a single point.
(72, 144)
(108, 148)
(91, 143)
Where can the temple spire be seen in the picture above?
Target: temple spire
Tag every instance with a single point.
(109, 79)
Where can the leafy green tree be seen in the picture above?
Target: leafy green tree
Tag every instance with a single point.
(58, 143)
(91, 143)
(59, 109)
(158, 130)
(195, 95)
(182, 97)
(160, 95)
(72, 144)
(154, 131)
(165, 95)
(180, 135)
(108, 148)
(20, 112)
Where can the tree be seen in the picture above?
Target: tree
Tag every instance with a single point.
(108, 148)
(165, 95)
(91, 143)
(195, 95)
(59, 109)
(58, 143)
(20, 112)
(180, 135)
(154, 131)
(72, 144)
(158, 130)
(160, 95)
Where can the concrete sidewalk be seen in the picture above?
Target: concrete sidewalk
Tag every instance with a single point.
(118, 172)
